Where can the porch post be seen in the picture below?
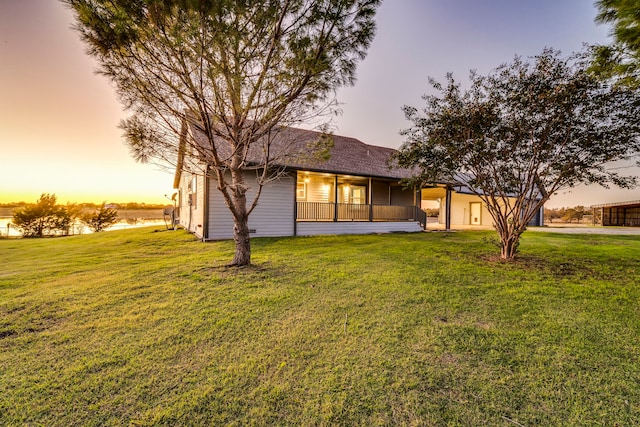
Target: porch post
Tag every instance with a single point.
(370, 201)
(335, 199)
(417, 198)
(295, 203)
(447, 209)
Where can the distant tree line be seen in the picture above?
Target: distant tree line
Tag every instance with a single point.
(48, 218)
(570, 215)
(120, 206)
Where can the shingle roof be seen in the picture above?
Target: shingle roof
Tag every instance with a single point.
(296, 148)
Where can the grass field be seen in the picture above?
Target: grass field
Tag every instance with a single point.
(147, 327)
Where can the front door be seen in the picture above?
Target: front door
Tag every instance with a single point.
(476, 211)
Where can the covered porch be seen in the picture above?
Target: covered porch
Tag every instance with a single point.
(325, 197)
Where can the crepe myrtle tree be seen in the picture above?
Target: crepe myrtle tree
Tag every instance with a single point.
(523, 132)
(237, 70)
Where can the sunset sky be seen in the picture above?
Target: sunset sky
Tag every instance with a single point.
(58, 119)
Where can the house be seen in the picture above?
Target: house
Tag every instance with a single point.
(620, 214)
(344, 187)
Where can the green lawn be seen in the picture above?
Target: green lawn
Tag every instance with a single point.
(146, 327)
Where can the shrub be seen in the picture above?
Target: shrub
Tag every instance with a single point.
(43, 218)
(102, 218)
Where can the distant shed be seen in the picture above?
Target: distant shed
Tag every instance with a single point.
(620, 214)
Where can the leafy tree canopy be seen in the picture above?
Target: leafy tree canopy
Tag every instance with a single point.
(521, 133)
(622, 58)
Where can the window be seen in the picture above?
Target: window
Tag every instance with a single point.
(358, 195)
(301, 191)
(352, 194)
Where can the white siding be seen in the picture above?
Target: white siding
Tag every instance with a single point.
(461, 210)
(319, 228)
(272, 217)
(191, 216)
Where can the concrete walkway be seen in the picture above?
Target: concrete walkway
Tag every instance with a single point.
(564, 228)
(629, 231)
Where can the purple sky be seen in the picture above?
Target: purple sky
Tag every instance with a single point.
(58, 120)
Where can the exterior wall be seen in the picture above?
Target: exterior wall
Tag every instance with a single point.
(273, 216)
(320, 228)
(191, 205)
(538, 219)
(460, 210)
(401, 197)
(380, 193)
(318, 189)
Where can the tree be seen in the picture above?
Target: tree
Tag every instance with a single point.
(570, 215)
(238, 70)
(102, 218)
(551, 214)
(622, 58)
(43, 218)
(522, 133)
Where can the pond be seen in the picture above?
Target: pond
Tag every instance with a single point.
(7, 229)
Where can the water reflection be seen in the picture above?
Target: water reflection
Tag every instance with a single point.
(8, 229)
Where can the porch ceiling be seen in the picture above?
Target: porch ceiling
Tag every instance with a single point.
(342, 178)
(433, 193)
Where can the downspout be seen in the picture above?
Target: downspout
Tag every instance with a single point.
(417, 197)
(295, 203)
(370, 201)
(335, 199)
(205, 208)
(190, 203)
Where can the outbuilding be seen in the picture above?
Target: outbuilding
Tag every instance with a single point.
(625, 214)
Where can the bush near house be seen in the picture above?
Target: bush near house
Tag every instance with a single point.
(138, 327)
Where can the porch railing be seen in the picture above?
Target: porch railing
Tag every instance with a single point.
(313, 211)
(310, 211)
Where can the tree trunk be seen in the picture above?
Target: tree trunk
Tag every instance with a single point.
(238, 208)
(242, 255)
(509, 243)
